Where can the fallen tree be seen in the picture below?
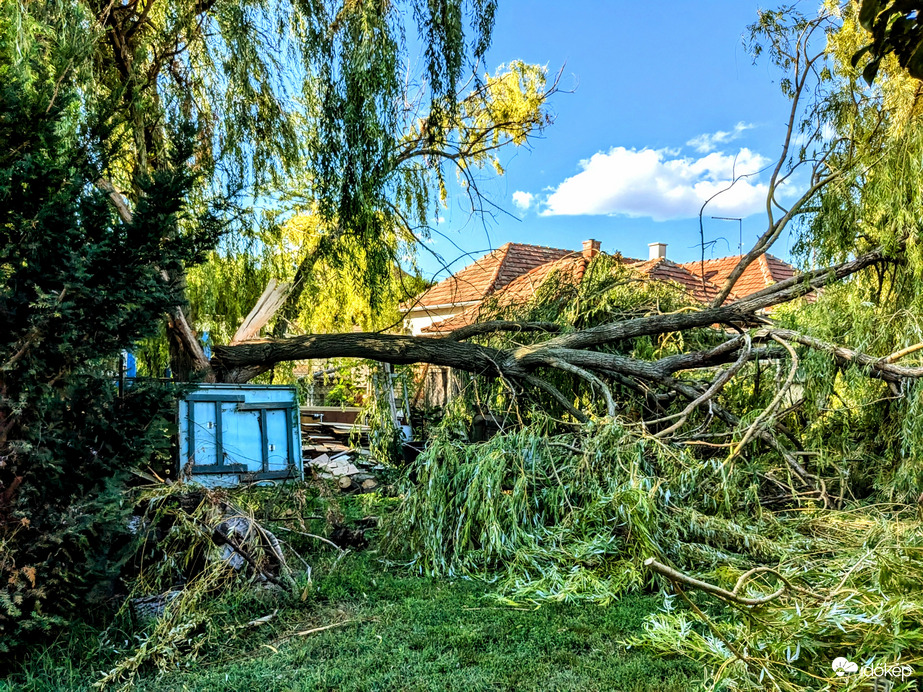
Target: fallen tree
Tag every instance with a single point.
(244, 361)
(578, 353)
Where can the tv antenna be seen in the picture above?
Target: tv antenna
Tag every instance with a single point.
(740, 230)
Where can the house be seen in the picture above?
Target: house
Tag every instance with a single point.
(512, 274)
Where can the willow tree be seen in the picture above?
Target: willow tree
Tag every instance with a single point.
(307, 106)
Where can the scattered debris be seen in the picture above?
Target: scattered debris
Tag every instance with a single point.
(263, 620)
(314, 630)
(146, 609)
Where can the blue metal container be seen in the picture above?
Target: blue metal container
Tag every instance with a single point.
(229, 433)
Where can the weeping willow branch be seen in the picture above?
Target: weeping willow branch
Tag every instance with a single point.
(677, 576)
(241, 362)
(690, 392)
(589, 377)
(776, 401)
(881, 368)
(549, 388)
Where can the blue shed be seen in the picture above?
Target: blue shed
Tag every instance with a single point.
(229, 433)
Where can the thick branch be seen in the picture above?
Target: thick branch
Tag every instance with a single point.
(240, 360)
(244, 361)
(738, 311)
(496, 326)
(877, 367)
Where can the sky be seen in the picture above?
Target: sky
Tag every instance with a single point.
(664, 104)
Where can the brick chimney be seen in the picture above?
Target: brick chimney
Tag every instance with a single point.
(657, 250)
(590, 248)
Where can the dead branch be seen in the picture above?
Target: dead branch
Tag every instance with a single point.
(311, 535)
(897, 355)
(269, 302)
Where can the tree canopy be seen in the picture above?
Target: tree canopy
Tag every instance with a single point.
(311, 107)
(896, 29)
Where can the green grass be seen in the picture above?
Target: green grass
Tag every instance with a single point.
(399, 632)
(402, 633)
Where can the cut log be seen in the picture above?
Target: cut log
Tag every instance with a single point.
(369, 485)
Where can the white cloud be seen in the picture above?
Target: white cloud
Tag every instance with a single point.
(523, 200)
(706, 143)
(654, 183)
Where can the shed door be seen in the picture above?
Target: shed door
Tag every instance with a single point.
(278, 432)
(241, 438)
(202, 432)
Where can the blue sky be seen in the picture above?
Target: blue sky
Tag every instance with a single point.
(664, 102)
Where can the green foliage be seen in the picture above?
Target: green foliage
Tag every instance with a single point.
(608, 291)
(547, 512)
(571, 517)
(864, 566)
(224, 288)
(78, 286)
(896, 29)
(302, 108)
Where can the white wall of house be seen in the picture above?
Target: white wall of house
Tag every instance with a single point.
(416, 320)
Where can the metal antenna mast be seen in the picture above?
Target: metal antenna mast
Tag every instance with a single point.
(740, 228)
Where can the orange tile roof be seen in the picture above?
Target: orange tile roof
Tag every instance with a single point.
(513, 274)
(764, 271)
(663, 269)
(486, 275)
(520, 290)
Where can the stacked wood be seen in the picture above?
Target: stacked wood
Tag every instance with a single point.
(320, 437)
(339, 452)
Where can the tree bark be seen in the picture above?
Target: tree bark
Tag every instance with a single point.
(242, 362)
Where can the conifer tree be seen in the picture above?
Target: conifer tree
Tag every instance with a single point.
(79, 285)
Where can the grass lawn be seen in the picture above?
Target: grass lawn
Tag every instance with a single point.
(392, 631)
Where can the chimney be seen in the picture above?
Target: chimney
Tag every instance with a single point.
(657, 250)
(590, 248)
